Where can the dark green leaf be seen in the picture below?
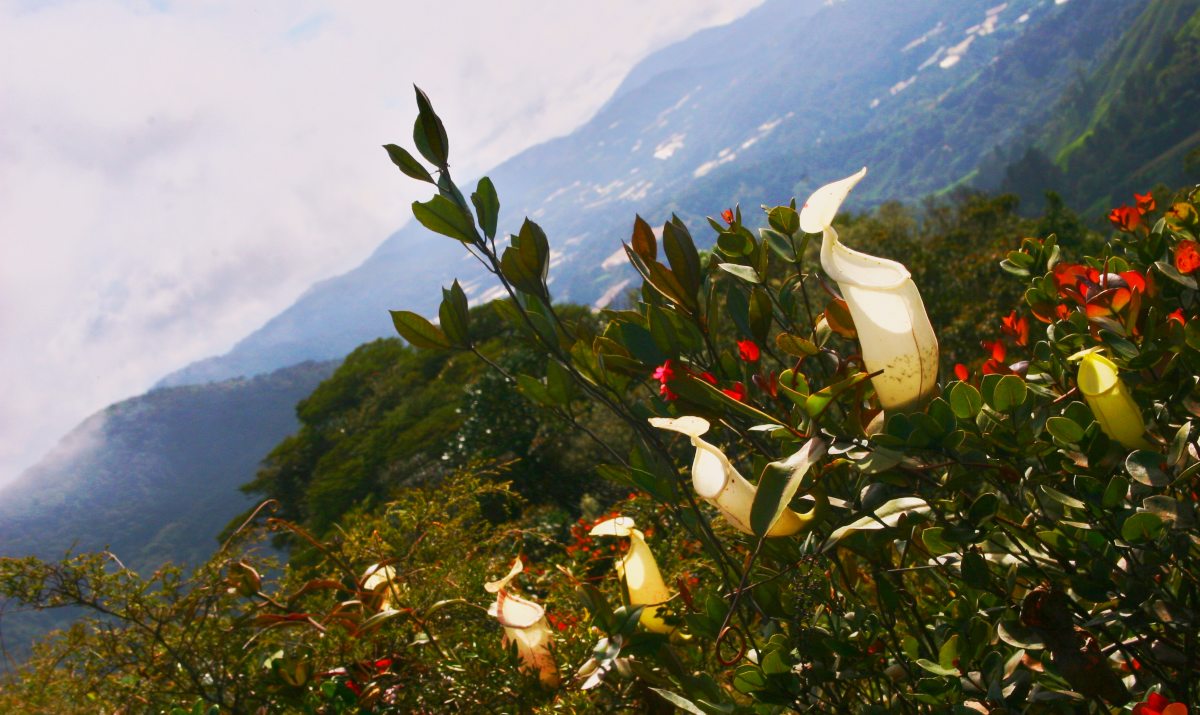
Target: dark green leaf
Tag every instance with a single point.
(974, 570)
(1142, 526)
(1147, 467)
(679, 701)
(760, 315)
(779, 483)
(742, 271)
(454, 317)
(784, 219)
(487, 206)
(429, 134)
(418, 331)
(1009, 394)
(441, 215)
(682, 256)
(1065, 430)
(407, 163)
(796, 346)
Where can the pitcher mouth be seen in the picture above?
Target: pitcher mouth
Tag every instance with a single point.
(515, 612)
(846, 265)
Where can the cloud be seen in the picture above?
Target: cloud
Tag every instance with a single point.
(174, 174)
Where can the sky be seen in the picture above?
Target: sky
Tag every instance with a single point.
(174, 174)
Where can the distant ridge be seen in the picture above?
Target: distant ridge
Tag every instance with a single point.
(756, 111)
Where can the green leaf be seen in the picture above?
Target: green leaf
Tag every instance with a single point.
(682, 255)
(429, 134)
(749, 679)
(784, 219)
(418, 331)
(679, 701)
(734, 244)
(760, 315)
(746, 273)
(974, 570)
(936, 669)
(487, 206)
(441, 215)
(1173, 273)
(1065, 430)
(454, 317)
(1114, 493)
(887, 515)
(779, 483)
(965, 401)
(559, 383)
(1061, 498)
(1142, 526)
(1010, 393)
(818, 401)
(1146, 467)
(796, 346)
(407, 163)
(780, 244)
(983, 508)
(934, 543)
(535, 249)
(515, 270)
(948, 653)
(534, 390)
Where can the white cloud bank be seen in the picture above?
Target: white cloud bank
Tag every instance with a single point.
(174, 174)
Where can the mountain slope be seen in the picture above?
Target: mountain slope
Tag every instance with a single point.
(765, 108)
(156, 477)
(1129, 124)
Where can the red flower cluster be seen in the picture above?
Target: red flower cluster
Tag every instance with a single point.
(665, 373)
(1128, 218)
(995, 364)
(562, 623)
(737, 392)
(1187, 256)
(748, 351)
(1125, 218)
(1158, 704)
(583, 543)
(1099, 294)
(669, 370)
(1016, 328)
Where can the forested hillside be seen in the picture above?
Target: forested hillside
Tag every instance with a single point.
(1132, 121)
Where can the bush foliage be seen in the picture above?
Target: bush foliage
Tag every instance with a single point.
(1003, 548)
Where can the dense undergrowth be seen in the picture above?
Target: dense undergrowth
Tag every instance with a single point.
(1018, 537)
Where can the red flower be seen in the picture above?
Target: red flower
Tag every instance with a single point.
(1187, 256)
(960, 371)
(768, 384)
(667, 393)
(1177, 316)
(748, 351)
(1158, 704)
(727, 214)
(1145, 202)
(995, 364)
(664, 373)
(709, 378)
(1016, 328)
(737, 392)
(1126, 218)
(1136, 281)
